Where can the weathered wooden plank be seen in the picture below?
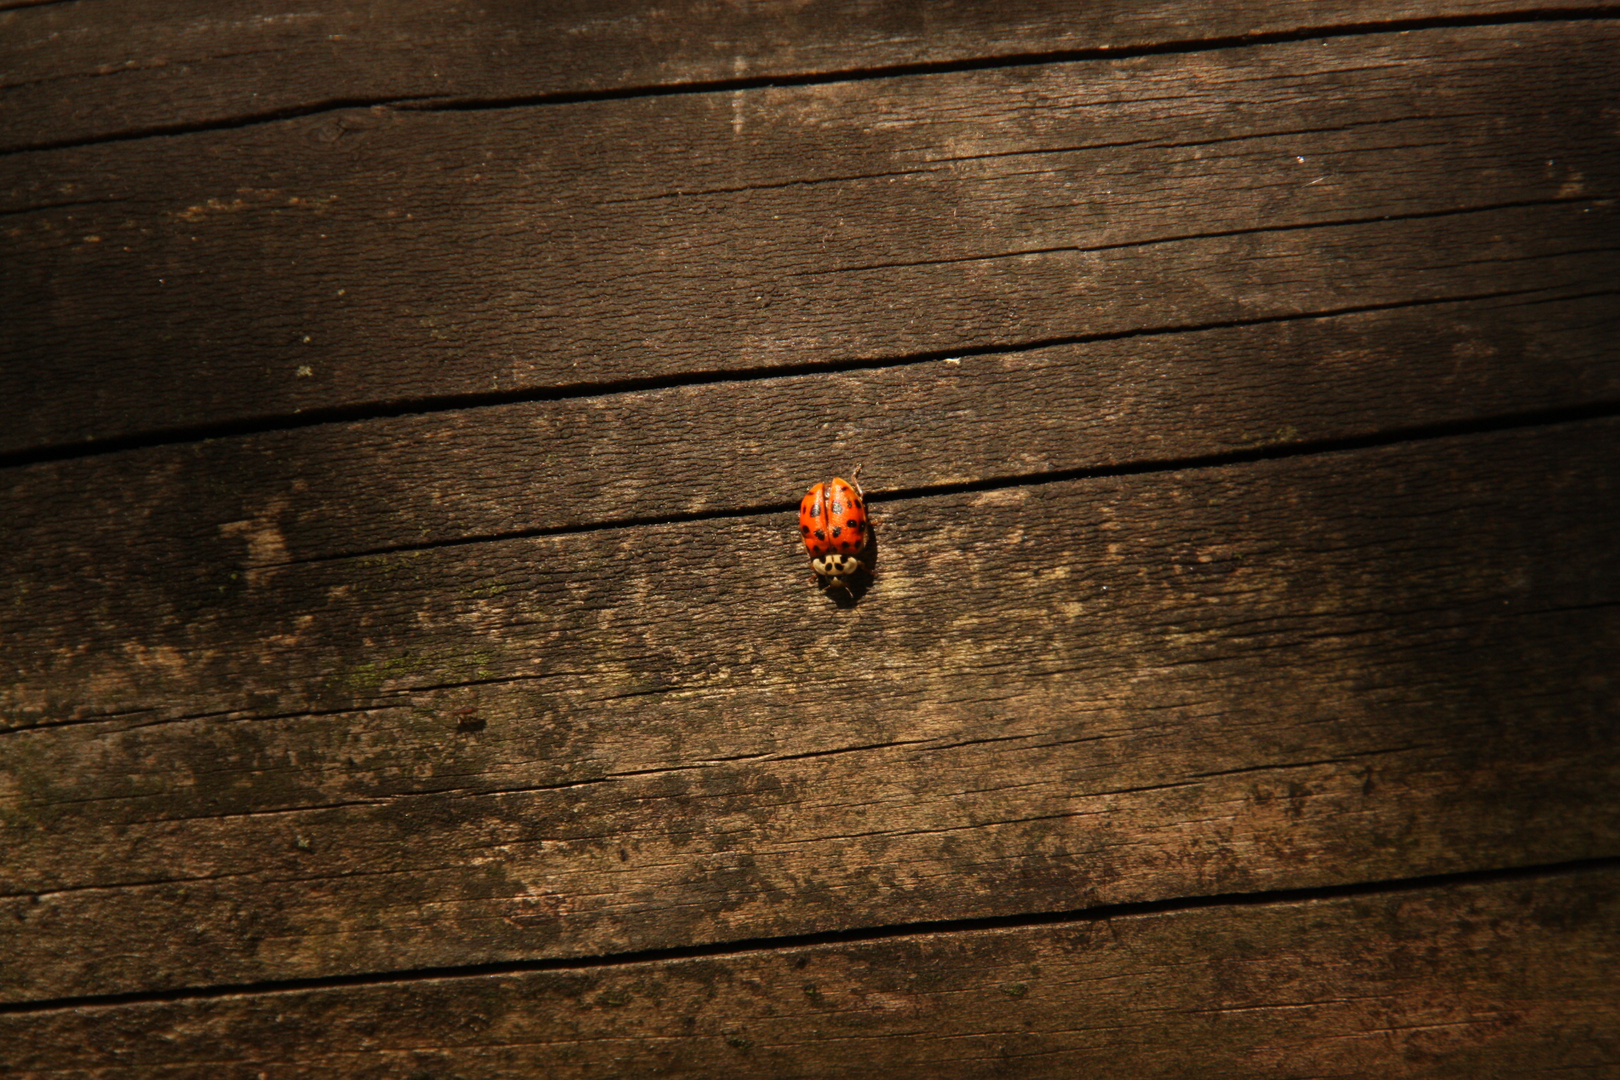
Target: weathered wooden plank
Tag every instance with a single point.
(317, 492)
(1505, 979)
(365, 258)
(79, 72)
(1284, 673)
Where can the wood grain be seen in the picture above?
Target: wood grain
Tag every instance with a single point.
(1506, 979)
(411, 481)
(84, 72)
(405, 652)
(1280, 674)
(369, 259)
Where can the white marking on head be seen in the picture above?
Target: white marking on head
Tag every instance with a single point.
(834, 564)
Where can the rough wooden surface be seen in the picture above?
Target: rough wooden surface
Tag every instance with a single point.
(1278, 674)
(86, 72)
(1341, 988)
(255, 502)
(364, 258)
(410, 669)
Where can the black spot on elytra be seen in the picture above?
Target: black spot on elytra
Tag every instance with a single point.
(820, 535)
(805, 529)
(836, 530)
(853, 526)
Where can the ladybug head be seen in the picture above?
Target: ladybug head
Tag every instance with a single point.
(838, 569)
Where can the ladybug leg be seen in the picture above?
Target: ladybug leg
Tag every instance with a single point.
(855, 478)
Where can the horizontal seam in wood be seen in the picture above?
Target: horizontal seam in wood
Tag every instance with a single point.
(1257, 230)
(167, 131)
(929, 166)
(439, 103)
(384, 410)
(72, 76)
(19, 5)
(1318, 761)
(69, 204)
(1077, 916)
(1268, 452)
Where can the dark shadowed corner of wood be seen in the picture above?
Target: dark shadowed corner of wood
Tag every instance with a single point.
(410, 668)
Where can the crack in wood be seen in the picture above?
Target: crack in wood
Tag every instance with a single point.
(878, 496)
(440, 102)
(1281, 765)
(131, 68)
(936, 163)
(941, 927)
(1259, 230)
(310, 418)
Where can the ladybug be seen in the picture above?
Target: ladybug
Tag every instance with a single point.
(832, 523)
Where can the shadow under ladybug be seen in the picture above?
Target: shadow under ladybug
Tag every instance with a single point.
(839, 538)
